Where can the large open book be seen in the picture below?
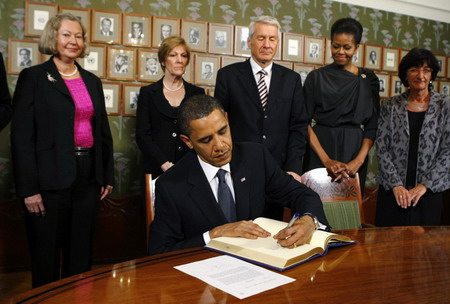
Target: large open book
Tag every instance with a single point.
(267, 252)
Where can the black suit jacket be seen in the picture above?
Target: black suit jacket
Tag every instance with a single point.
(281, 127)
(157, 129)
(5, 97)
(186, 207)
(42, 131)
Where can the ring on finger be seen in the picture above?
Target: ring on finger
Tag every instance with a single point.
(295, 245)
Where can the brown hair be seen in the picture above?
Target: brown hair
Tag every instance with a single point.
(47, 44)
(168, 45)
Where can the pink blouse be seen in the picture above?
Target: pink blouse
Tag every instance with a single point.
(84, 112)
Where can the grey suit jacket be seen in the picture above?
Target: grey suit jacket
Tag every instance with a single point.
(433, 168)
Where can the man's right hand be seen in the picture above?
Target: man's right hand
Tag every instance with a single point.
(35, 204)
(245, 229)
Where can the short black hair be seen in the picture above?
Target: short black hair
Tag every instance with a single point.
(347, 26)
(196, 107)
(417, 58)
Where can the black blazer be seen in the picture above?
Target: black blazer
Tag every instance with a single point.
(5, 97)
(157, 129)
(42, 131)
(186, 206)
(281, 127)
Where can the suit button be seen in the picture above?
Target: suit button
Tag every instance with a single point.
(179, 148)
(264, 136)
(175, 121)
(174, 134)
(265, 116)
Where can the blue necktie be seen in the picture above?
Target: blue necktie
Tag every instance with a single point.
(225, 197)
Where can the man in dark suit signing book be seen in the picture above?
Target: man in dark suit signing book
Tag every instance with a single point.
(219, 189)
(264, 101)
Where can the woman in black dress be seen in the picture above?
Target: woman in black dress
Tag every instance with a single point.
(157, 131)
(343, 100)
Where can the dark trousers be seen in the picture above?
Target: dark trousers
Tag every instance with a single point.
(61, 241)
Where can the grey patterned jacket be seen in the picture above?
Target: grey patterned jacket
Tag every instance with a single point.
(433, 168)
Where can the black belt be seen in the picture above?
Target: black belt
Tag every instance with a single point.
(79, 151)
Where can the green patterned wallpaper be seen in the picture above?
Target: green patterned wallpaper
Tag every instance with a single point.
(310, 17)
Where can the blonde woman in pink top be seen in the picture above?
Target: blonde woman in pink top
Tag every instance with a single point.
(62, 152)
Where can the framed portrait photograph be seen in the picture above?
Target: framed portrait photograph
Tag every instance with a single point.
(442, 64)
(328, 55)
(240, 41)
(372, 56)
(227, 60)
(221, 38)
(136, 30)
(83, 14)
(112, 92)
(95, 62)
(293, 47)
(384, 84)
(149, 68)
(36, 16)
(359, 56)
(314, 50)
(286, 64)
(130, 94)
(22, 54)
(448, 66)
(206, 67)
(444, 87)
(194, 32)
(390, 59)
(396, 86)
(164, 27)
(106, 26)
(121, 63)
(303, 70)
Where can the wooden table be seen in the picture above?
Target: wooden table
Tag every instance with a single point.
(388, 265)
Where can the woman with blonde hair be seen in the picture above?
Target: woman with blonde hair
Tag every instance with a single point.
(62, 152)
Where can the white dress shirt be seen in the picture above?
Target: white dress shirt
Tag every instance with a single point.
(256, 68)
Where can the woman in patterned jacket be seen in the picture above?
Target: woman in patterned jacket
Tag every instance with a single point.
(413, 147)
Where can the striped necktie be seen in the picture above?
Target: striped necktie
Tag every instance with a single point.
(262, 88)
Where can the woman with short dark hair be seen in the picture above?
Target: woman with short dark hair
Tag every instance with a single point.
(157, 130)
(343, 100)
(413, 147)
(62, 152)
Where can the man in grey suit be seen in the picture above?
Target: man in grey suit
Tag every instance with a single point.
(190, 204)
(264, 100)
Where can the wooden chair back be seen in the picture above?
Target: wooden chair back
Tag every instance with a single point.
(342, 200)
(149, 204)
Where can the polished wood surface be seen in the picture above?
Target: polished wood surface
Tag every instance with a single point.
(387, 265)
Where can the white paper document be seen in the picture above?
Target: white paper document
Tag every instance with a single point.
(234, 276)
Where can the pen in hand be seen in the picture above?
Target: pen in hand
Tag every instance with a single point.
(293, 219)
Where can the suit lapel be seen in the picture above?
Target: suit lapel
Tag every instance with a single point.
(275, 81)
(241, 183)
(160, 101)
(55, 78)
(202, 195)
(248, 84)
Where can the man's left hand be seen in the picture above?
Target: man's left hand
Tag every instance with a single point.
(295, 176)
(298, 234)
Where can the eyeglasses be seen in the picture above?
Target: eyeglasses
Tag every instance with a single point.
(416, 71)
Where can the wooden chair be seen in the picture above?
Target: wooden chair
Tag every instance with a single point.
(342, 200)
(149, 204)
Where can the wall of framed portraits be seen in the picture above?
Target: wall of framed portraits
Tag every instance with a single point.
(124, 37)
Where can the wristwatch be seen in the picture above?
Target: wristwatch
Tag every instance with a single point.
(314, 218)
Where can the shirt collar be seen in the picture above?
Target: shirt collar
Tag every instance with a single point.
(210, 170)
(256, 67)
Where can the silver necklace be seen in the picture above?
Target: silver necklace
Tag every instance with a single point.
(418, 106)
(70, 74)
(173, 90)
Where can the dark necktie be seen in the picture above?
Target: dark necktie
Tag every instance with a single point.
(262, 88)
(225, 197)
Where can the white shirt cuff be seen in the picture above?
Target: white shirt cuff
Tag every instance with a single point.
(206, 237)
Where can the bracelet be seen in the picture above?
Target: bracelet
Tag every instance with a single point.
(314, 218)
